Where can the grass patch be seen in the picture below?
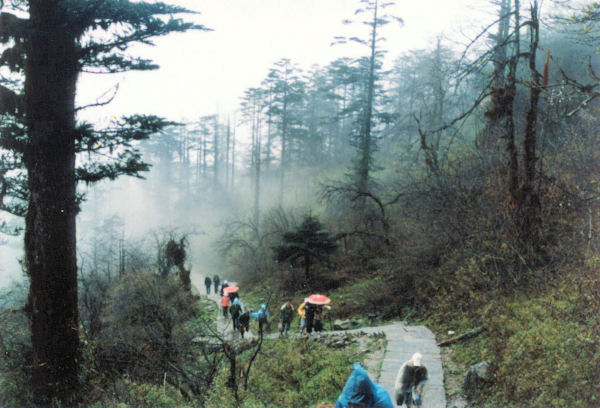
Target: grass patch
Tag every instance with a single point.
(542, 345)
(289, 373)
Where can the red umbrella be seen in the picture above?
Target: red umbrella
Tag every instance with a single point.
(230, 289)
(319, 300)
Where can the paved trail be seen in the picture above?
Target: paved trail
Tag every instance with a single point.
(403, 342)
(224, 325)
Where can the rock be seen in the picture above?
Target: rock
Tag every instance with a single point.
(459, 402)
(477, 376)
(342, 324)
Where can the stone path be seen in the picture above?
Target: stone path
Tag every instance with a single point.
(224, 325)
(402, 342)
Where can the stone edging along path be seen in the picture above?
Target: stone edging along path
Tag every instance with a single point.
(402, 342)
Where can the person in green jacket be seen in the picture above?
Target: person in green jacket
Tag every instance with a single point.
(287, 314)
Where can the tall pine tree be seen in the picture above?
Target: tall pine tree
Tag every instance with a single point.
(50, 47)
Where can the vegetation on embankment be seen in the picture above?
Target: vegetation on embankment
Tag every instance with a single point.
(542, 343)
(287, 373)
(541, 339)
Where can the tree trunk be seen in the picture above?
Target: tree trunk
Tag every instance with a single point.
(307, 268)
(50, 257)
(283, 145)
(511, 91)
(233, 156)
(529, 200)
(257, 160)
(227, 153)
(216, 153)
(365, 143)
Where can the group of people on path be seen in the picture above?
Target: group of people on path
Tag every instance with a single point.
(361, 391)
(209, 282)
(311, 316)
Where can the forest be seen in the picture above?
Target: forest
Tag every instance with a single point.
(455, 186)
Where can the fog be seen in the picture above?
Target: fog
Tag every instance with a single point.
(207, 73)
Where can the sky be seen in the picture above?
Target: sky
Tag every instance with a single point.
(206, 72)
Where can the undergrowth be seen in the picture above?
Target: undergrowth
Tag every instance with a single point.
(288, 373)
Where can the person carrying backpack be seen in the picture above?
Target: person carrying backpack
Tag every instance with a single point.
(244, 323)
(318, 319)
(310, 316)
(207, 283)
(223, 286)
(302, 314)
(235, 310)
(263, 318)
(410, 381)
(216, 282)
(287, 314)
(361, 391)
(225, 303)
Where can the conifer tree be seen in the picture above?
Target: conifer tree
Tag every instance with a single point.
(49, 48)
(309, 241)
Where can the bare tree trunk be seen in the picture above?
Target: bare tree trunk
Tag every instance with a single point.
(227, 153)
(509, 97)
(365, 146)
(216, 153)
(257, 160)
(233, 156)
(529, 197)
(283, 163)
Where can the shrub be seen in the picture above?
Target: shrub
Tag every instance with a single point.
(289, 373)
(148, 323)
(15, 349)
(126, 394)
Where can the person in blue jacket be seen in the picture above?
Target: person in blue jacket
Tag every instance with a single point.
(263, 318)
(360, 391)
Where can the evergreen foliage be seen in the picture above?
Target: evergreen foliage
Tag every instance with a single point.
(49, 49)
(309, 241)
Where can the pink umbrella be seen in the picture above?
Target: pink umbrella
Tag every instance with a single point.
(230, 289)
(319, 300)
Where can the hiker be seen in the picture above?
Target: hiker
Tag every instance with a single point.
(287, 314)
(225, 303)
(216, 282)
(361, 391)
(235, 310)
(410, 381)
(310, 316)
(223, 286)
(263, 318)
(244, 323)
(318, 319)
(302, 314)
(207, 283)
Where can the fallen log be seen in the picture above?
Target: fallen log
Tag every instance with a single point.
(465, 336)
